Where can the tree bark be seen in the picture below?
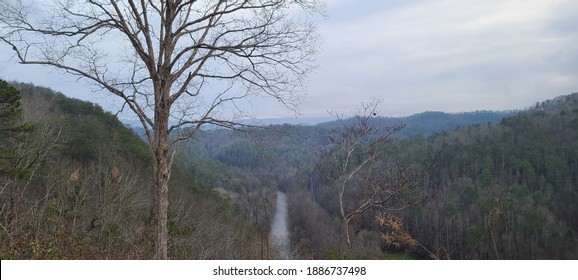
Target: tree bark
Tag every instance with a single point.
(161, 203)
(162, 170)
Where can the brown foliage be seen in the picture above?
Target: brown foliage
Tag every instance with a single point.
(397, 236)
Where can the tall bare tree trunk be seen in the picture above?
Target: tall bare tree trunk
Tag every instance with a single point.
(162, 170)
(161, 201)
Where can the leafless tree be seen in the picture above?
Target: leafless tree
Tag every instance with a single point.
(357, 167)
(175, 63)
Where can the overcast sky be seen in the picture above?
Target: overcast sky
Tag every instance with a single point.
(430, 55)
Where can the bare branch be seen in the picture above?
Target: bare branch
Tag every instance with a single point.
(177, 61)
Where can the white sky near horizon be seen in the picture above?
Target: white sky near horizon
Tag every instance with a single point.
(421, 55)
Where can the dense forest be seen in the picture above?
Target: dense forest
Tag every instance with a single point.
(76, 184)
(505, 190)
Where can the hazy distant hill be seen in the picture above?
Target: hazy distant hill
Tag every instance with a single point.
(427, 123)
(284, 149)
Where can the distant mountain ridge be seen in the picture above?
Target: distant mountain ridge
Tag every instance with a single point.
(430, 122)
(425, 123)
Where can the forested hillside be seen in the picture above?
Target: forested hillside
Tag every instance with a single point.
(506, 190)
(494, 189)
(84, 191)
(76, 185)
(503, 190)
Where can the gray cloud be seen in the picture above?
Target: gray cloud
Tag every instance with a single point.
(447, 55)
(450, 55)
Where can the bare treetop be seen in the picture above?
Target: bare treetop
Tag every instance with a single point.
(208, 55)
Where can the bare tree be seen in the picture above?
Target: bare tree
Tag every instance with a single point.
(174, 63)
(357, 167)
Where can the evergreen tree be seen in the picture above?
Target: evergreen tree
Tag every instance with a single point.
(12, 130)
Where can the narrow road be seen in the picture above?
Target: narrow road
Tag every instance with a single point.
(280, 227)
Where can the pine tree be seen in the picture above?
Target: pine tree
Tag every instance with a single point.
(12, 131)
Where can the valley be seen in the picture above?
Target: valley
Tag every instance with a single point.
(479, 185)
